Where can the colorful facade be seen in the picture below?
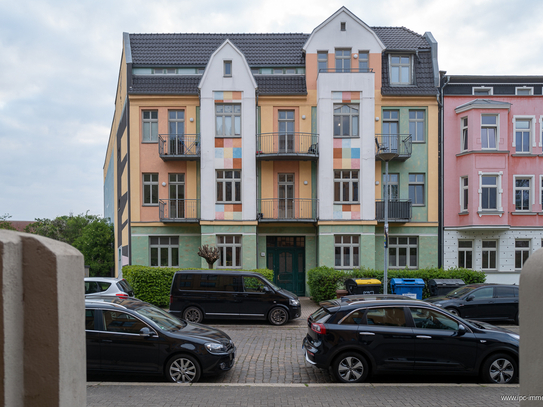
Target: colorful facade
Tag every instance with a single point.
(267, 146)
(493, 173)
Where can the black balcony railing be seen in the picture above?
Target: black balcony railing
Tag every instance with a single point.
(287, 145)
(179, 210)
(287, 209)
(346, 70)
(179, 146)
(399, 144)
(398, 210)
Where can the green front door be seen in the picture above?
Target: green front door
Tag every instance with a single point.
(286, 257)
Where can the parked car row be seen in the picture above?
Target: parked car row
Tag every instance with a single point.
(354, 336)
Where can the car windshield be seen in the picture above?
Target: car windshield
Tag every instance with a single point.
(161, 318)
(459, 292)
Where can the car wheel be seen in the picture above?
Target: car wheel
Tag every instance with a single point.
(193, 314)
(500, 368)
(453, 311)
(183, 369)
(278, 316)
(350, 368)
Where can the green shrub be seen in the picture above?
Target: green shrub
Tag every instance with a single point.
(324, 281)
(153, 284)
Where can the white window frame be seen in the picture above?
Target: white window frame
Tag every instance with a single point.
(465, 250)
(499, 192)
(349, 244)
(415, 121)
(532, 142)
(354, 119)
(491, 126)
(399, 65)
(365, 59)
(321, 59)
(464, 194)
(234, 114)
(488, 89)
(148, 186)
(394, 243)
(223, 180)
(530, 189)
(418, 183)
(522, 251)
(541, 195)
(152, 136)
(343, 58)
(490, 250)
(227, 68)
(464, 135)
(173, 250)
(225, 246)
(524, 88)
(351, 181)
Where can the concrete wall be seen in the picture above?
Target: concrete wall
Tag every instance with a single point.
(42, 340)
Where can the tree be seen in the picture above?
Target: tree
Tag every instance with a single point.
(5, 223)
(211, 254)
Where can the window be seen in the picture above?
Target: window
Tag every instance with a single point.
(464, 121)
(150, 126)
(489, 192)
(343, 26)
(524, 91)
(465, 254)
(416, 189)
(227, 68)
(429, 319)
(228, 120)
(416, 125)
(177, 201)
(164, 251)
(522, 252)
(345, 186)
(403, 252)
(482, 91)
(176, 122)
(322, 61)
(522, 194)
(389, 138)
(393, 186)
(229, 186)
(115, 321)
(150, 189)
(343, 60)
(347, 251)
(389, 316)
(489, 131)
(253, 285)
(363, 61)
(345, 120)
(400, 70)
(464, 194)
(286, 131)
(230, 251)
(523, 131)
(489, 254)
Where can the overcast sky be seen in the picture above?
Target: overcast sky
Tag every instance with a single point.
(59, 62)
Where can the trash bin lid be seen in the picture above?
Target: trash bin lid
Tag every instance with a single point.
(407, 281)
(453, 282)
(363, 281)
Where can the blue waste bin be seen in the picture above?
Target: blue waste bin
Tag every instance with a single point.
(410, 287)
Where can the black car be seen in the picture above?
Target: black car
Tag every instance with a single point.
(361, 335)
(127, 335)
(485, 302)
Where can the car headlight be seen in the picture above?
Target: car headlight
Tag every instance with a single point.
(517, 337)
(213, 347)
(294, 302)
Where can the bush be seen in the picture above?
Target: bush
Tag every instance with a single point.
(153, 284)
(324, 281)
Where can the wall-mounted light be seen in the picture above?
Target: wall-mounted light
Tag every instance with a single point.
(355, 56)
(191, 119)
(376, 182)
(163, 184)
(305, 182)
(377, 119)
(303, 117)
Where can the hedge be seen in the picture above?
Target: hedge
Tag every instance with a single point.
(152, 284)
(324, 281)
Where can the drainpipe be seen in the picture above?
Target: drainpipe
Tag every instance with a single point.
(441, 133)
(257, 183)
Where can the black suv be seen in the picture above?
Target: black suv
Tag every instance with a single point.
(359, 335)
(127, 335)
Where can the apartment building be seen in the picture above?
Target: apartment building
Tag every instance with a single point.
(270, 147)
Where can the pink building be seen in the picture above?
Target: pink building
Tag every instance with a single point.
(492, 173)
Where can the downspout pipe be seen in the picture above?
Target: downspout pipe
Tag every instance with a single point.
(441, 135)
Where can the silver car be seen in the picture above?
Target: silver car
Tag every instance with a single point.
(107, 287)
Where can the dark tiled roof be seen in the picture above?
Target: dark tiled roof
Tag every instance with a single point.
(400, 38)
(494, 79)
(165, 85)
(424, 78)
(281, 84)
(196, 49)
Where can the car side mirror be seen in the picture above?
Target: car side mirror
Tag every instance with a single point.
(266, 289)
(461, 330)
(146, 332)
(469, 298)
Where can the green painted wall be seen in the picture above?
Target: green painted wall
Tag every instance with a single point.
(326, 239)
(248, 241)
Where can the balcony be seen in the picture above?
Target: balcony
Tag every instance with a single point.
(287, 210)
(399, 144)
(179, 210)
(346, 70)
(287, 146)
(179, 146)
(398, 210)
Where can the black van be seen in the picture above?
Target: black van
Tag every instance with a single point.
(199, 294)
